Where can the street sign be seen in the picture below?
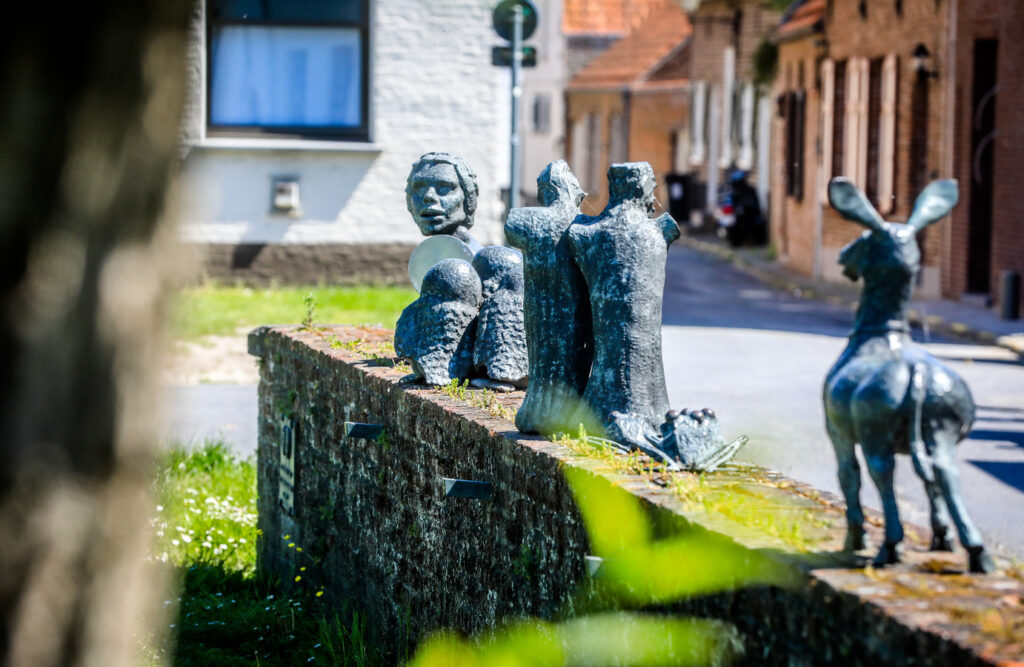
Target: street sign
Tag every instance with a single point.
(504, 18)
(501, 56)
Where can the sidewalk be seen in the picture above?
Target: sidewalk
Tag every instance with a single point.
(950, 318)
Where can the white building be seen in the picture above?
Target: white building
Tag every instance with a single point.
(305, 118)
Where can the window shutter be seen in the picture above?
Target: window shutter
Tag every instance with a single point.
(728, 108)
(790, 103)
(855, 121)
(863, 100)
(580, 164)
(851, 127)
(618, 141)
(839, 121)
(874, 126)
(828, 82)
(595, 148)
(887, 136)
(800, 102)
(698, 149)
(746, 158)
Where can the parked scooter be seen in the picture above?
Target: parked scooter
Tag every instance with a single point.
(740, 220)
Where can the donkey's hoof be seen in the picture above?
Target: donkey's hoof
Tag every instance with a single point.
(889, 554)
(854, 539)
(979, 561)
(941, 542)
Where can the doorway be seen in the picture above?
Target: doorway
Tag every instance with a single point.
(983, 132)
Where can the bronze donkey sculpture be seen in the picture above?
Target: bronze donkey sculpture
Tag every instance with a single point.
(887, 393)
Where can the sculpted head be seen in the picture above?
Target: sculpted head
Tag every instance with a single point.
(557, 183)
(631, 182)
(441, 194)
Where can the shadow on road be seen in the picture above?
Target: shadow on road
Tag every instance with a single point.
(1016, 437)
(1008, 472)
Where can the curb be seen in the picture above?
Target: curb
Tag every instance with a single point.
(774, 278)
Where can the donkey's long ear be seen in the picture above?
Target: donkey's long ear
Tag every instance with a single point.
(847, 198)
(934, 203)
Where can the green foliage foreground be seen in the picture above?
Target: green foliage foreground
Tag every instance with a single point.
(227, 614)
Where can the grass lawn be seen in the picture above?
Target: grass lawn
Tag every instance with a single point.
(223, 309)
(205, 528)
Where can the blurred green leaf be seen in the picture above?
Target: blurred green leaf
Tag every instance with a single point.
(638, 569)
(605, 639)
(614, 519)
(634, 639)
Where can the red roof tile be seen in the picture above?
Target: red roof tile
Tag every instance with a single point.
(803, 17)
(634, 56)
(606, 17)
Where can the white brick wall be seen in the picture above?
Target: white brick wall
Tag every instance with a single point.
(432, 88)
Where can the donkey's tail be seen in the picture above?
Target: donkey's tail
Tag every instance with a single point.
(916, 394)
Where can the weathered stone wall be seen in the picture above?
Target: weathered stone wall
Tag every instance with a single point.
(377, 532)
(302, 264)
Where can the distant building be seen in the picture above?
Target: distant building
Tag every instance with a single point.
(894, 95)
(569, 35)
(304, 120)
(730, 113)
(631, 103)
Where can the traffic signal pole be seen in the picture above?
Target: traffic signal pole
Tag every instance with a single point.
(517, 65)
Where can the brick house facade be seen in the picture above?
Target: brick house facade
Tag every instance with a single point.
(886, 95)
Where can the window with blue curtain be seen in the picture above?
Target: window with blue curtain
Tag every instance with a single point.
(288, 67)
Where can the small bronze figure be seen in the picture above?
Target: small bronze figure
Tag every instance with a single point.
(500, 349)
(436, 331)
(622, 255)
(556, 309)
(888, 394)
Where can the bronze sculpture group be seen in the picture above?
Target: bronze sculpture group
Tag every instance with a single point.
(574, 314)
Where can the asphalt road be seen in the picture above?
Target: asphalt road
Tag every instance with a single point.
(758, 357)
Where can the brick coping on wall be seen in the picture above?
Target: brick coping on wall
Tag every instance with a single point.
(926, 610)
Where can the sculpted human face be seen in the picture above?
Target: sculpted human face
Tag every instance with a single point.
(436, 199)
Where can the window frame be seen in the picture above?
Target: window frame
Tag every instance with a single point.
(360, 133)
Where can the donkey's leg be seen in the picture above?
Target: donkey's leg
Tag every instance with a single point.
(921, 455)
(939, 512)
(881, 464)
(941, 536)
(849, 481)
(948, 479)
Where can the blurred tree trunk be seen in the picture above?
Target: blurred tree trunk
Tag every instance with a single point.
(89, 126)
